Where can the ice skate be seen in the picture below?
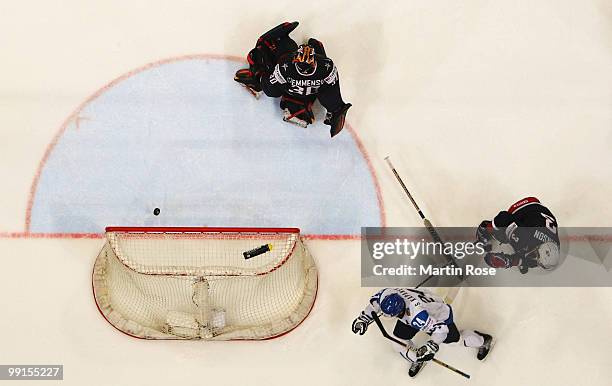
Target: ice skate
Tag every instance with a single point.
(484, 350)
(415, 367)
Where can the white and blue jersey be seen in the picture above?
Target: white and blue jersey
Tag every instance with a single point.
(424, 311)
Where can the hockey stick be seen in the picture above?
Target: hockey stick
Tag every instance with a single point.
(256, 94)
(430, 228)
(386, 335)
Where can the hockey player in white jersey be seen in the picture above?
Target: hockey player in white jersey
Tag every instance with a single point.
(418, 310)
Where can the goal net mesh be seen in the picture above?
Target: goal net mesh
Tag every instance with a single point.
(195, 283)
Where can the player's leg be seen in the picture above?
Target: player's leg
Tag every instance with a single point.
(405, 333)
(453, 334)
(297, 110)
(483, 342)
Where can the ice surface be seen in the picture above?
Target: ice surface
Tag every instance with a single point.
(478, 103)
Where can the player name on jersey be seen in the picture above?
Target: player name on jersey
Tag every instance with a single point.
(305, 82)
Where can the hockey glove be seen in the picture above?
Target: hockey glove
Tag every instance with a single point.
(502, 260)
(424, 353)
(336, 119)
(266, 53)
(261, 60)
(498, 260)
(361, 323)
(247, 78)
(484, 234)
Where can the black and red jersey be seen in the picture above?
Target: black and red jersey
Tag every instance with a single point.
(321, 81)
(526, 225)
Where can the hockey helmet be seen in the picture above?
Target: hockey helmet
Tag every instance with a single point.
(393, 305)
(304, 59)
(548, 255)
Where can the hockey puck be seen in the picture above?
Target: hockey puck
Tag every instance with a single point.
(156, 211)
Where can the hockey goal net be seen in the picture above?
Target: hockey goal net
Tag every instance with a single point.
(204, 283)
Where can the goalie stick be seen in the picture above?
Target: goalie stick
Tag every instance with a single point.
(256, 94)
(386, 335)
(430, 228)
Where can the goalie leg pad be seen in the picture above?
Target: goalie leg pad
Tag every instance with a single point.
(297, 111)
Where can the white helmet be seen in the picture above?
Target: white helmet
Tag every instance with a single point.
(548, 255)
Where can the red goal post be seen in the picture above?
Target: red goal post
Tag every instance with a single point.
(204, 283)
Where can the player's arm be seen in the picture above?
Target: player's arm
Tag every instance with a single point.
(329, 92)
(505, 229)
(263, 57)
(505, 223)
(499, 229)
(361, 322)
(329, 96)
(275, 84)
(280, 31)
(495, 229)
(502, 260)
(525, 251)
(439, 311)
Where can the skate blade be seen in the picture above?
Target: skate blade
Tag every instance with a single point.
(490, 349)
(419, 372)
(256, 94)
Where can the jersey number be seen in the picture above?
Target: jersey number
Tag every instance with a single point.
(304, 90)
(551, 224)
(424, 298)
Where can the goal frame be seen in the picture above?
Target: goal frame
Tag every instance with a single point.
(210, 230)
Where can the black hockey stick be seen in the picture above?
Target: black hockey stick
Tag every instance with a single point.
(386, 335)
(430, 228)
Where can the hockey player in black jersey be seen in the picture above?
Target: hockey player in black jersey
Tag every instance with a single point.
(530, 229)
(299, 75)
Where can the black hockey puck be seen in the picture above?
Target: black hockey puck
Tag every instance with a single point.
(156, 211)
